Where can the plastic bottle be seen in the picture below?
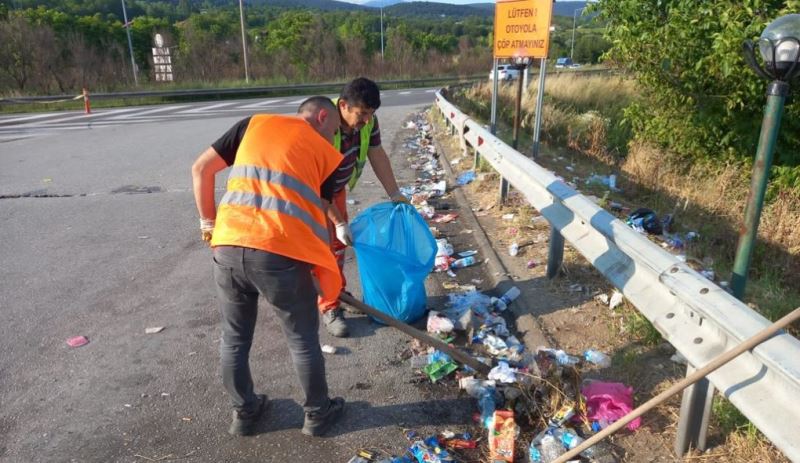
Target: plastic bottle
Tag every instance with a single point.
(598, 358)
(502, 302)
(551, 449)
(486, 404)
(513, 249)
(463, 262)
(510, 295)
(565, 359)
(570, 440)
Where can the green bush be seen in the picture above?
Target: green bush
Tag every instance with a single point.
(701, 99)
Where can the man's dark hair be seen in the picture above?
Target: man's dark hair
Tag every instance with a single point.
(315, 103)
(362, 92)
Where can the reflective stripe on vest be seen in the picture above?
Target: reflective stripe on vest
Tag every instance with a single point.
(279, 178)
(361, 160)
(270, 203)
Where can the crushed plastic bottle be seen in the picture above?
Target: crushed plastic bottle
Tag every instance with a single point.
(598, 358)
(513, 249)
(570, 440)
(551, 449)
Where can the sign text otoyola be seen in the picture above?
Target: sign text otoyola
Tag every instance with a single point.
(522, 28)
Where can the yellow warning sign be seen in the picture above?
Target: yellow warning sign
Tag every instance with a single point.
(522, 28)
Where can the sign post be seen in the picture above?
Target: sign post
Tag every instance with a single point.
(521, 32)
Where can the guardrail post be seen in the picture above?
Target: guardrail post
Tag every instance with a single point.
(695, 413)
(555, 255)
(476, 159)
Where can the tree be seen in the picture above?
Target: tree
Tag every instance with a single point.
(700, 97)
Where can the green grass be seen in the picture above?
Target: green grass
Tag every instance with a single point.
(731, 420)
(640, 327)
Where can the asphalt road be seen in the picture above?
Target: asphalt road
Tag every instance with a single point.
(99, 237)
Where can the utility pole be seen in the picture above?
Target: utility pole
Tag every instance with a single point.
(382, 30)
(244, 43)
(574, 22)
(130, 44)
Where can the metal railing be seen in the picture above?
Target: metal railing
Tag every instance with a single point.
(697, 317)
(233, 92)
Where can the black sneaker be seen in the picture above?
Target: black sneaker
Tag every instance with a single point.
(317, 424)
(335, 324)
(244, 423)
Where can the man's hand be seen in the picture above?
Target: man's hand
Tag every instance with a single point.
(206, 229)
(344, 234)
(398, 197)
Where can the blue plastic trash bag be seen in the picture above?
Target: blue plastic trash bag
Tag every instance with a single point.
(395, 252)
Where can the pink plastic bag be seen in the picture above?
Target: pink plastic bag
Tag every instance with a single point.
(609, 402)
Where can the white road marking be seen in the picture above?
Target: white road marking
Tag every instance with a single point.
(203, 109)
(404, 93)
(150, 111)
(28, 118)
(261, 104)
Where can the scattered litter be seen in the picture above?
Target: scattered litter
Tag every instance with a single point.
(508, 216)
(609, 402)
(328, 349)
(466, 178)
(352, 202)
(533, 263)
(615, 300)
(597, 358)
(463, 262)
(503, 436)
(438, 324)
(644, 220)
(513, 249)
(467, 253)
(154, 330)
(445, 218)
(77, 341)
(165, 394)
(679, 359)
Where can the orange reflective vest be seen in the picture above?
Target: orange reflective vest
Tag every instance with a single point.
(272, 202)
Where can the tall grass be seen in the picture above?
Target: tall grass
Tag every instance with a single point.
(586, 114)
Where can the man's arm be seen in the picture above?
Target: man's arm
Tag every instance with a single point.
(383, 170)
(204, 170)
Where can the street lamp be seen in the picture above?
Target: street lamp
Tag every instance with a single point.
(574, 22)
(244, 43)
(779, 46)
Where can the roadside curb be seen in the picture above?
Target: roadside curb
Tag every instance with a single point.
(527, 323)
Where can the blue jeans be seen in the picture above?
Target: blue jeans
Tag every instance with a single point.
(241, 274)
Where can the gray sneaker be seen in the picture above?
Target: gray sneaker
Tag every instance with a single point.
(244, 423)
(335, 324)
(317, 424)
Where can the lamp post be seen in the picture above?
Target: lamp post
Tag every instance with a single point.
(244, 43)
(779, 46)
(574, 22)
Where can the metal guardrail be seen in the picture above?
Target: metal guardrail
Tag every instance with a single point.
(697, 317)
(231, 92)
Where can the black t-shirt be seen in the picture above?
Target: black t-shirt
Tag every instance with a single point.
(228, 144)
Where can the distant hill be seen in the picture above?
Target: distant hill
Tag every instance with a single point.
(418, 8)
(436, 9)
(327, 5)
